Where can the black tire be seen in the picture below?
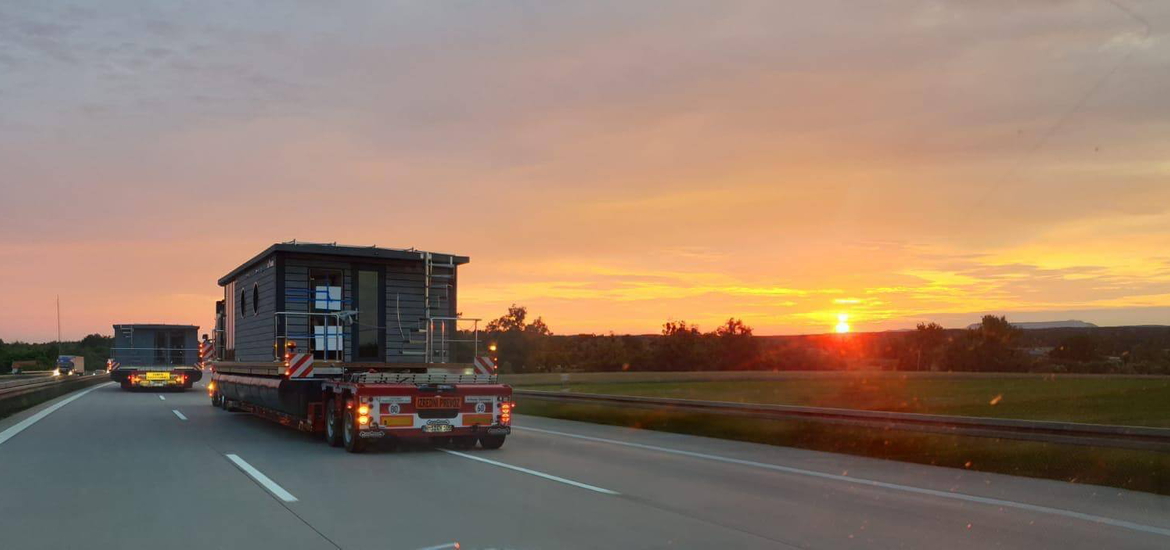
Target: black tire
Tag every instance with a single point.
(353, 443)
(492, 441)
(215, 399)
(463, 442)
(332, 426)
(125, 385)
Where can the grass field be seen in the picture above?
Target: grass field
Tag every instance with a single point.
(1142, 401)
(1100, 400)
(1136, 470)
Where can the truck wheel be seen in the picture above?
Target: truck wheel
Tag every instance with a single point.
(125, 385)
(353, 443)
(332, 426)
(215, 400)
(491, 441)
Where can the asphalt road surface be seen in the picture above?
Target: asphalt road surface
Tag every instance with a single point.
(106, 469)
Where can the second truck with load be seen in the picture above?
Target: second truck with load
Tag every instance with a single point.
(156, 356)
(358, 344)
(70, 365)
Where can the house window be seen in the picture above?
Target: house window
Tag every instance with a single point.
(255, 298)
(325, 286)
(243, 303)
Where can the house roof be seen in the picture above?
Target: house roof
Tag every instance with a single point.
(155, 325)
(334, 249)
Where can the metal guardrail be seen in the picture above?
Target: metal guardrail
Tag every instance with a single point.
(43, 383)
(1100, 435)
(28, 380)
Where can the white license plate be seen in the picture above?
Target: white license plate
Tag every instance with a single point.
(436, 428)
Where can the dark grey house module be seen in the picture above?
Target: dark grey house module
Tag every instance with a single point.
(153, 344)
(165, 354)
(353, 304)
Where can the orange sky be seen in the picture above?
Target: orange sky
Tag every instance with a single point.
(609, 165)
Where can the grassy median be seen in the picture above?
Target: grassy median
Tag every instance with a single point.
(1136, 401)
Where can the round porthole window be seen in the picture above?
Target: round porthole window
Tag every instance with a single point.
(243, 303)
(255, 299)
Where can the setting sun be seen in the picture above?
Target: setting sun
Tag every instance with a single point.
(842, 323)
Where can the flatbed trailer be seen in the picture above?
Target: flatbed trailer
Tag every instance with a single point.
(351, 406)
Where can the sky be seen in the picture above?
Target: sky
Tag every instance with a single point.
(611, 165)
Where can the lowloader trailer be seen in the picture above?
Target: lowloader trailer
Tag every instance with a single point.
(354, 406)
(358, 344)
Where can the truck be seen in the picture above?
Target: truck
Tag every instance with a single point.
(357, 344)
(70, 365)
(155, 356)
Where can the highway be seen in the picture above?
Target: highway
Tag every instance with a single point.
(106, 469)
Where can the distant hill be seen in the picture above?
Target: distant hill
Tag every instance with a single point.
(1047, 324)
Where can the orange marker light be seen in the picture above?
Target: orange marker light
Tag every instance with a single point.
(363, 410)
(363, 420)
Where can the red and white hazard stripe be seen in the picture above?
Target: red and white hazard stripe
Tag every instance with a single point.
(206, 353)
(300, 365)
(484, 365)
(206, 350)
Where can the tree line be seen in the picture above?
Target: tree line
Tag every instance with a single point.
(995, 345)
(95, 348)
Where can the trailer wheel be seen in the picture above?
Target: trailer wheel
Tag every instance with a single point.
(332, 426)
(215, 400)
(353, 443)
(491, 441)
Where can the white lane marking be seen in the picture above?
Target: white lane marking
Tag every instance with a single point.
(24, 424)
(534, 473)
(262, 479)
(178, 414)
(871, 483)
(447, 546)
(162, 398)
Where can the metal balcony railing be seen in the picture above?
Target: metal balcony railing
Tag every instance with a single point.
(155, 356)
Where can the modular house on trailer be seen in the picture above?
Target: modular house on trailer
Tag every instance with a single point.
(166, 354)
(350, 304)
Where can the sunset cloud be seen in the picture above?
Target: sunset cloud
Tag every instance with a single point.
(611, 165)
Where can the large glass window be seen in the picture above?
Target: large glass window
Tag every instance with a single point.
(168, 348)
(368, 306)
(161, 346)
(325, 287)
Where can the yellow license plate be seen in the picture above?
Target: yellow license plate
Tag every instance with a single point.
(158, 376)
